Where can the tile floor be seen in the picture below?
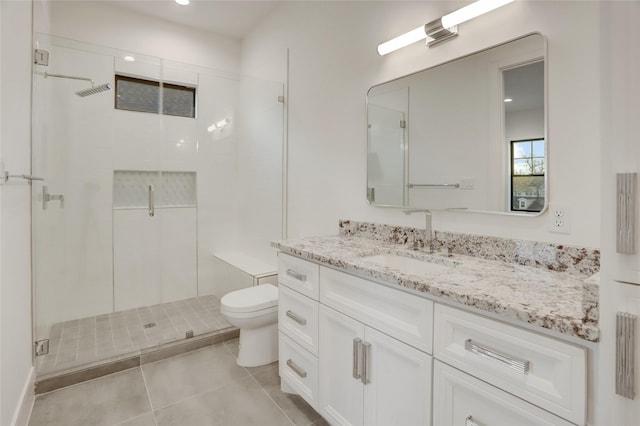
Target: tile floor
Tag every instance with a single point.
(199, 388)
(87, 340)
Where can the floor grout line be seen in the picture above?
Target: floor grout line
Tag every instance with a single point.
(271, 399)
(228, 350)
(146, 387)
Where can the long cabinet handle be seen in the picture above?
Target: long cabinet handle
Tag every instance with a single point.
(357, 346)
(296, 318)
(296, 275)
(519, 365)
(152, 204)
(470, 422)
(296, 369)
(366, 359)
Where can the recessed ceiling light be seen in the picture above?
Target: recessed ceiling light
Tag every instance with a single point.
(129, 58)
(182, 2)
(508, 100)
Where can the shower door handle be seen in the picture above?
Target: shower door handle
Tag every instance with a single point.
(152, 206)
(46, 197)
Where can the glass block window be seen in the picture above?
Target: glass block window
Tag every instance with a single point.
(527, 175)
(137, 94)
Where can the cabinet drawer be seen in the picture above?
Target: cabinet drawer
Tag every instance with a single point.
(406, 317)
(459, 399)
(298, 318)
(298, 371)
(544, 371)
(298, 274)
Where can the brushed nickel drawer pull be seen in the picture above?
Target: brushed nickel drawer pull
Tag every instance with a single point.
(519, 365)
(296, 275)
(296, 369)
(296, 318)
(366, 359)
(357, 345)
(152, 203)
(470, 422)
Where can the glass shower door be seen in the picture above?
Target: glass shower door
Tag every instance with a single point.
(74, 150)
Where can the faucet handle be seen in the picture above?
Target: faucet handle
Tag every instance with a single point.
(417, 244)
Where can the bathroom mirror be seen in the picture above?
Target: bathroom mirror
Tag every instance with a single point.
(469, 134)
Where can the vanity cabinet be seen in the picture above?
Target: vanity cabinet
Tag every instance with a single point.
(375, 341)
(460, 399)
(368, 377)
(364, 353)
(298, 327)
(544, 371)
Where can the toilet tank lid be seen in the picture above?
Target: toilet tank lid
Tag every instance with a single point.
(251, 299)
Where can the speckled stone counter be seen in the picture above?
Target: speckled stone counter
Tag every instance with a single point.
(565, 302)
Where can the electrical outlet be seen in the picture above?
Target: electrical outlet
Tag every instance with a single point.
(559, 219)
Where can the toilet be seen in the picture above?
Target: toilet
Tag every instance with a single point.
(254, 311)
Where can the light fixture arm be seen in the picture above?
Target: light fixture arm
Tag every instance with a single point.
(438, 33)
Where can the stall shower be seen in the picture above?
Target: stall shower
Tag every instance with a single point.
(142, 184)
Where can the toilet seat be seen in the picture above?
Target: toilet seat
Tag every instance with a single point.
(250, 299)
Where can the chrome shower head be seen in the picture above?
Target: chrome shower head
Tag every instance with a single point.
(93, 90)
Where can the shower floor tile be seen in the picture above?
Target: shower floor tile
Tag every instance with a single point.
(87, 340)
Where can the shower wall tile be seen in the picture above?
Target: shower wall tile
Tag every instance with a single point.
(154, 258)
(180, 149)
(136, 137)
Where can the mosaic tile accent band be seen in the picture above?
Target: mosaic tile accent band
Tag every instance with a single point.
(554, 257)
(173, 189)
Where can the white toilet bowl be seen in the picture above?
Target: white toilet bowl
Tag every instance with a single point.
(254, 311)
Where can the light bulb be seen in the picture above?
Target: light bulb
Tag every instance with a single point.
(402, 41)
(471, 11)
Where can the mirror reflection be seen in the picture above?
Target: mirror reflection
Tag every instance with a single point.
(469, 134)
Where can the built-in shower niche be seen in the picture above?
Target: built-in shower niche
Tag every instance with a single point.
(170, 189)
(154, 237)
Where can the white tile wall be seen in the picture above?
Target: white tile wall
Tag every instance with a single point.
(85, 147)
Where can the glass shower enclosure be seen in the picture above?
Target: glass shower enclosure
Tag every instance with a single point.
(149, 167)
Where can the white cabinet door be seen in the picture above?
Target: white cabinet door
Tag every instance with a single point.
(460, 399)
(340, 394)
(399, 388)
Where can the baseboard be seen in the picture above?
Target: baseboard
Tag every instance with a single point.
(27, 399)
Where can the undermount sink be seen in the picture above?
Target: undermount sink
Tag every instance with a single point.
(405, 264)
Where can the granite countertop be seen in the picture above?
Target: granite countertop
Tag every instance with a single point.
(549, 299)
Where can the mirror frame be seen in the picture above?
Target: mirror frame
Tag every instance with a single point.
(545, 48)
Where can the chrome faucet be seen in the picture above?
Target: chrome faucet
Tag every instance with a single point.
(427, 229)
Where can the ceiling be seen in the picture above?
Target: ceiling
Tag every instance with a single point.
(232, 18)
(525, 85)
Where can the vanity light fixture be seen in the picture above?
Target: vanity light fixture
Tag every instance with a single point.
(182, 2)
(442, 28)
(219, 125)
(508, 100)
(129, 58)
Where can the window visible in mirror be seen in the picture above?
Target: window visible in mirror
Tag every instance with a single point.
(527, 175)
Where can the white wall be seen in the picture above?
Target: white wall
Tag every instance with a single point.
(620, 153)
(101, 23)
(15, 257)
(333, 62)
